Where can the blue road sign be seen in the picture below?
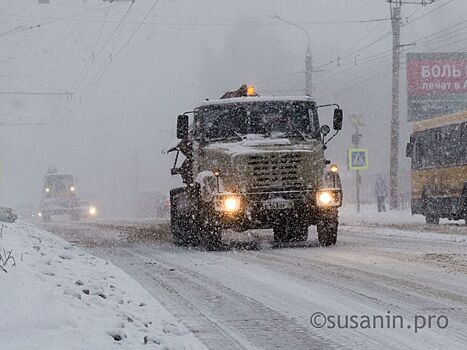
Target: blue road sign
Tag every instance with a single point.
(358, 158)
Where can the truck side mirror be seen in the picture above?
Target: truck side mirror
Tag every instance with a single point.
(182, 126)
(337, 120)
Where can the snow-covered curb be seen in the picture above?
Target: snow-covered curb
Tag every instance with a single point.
(59, 297)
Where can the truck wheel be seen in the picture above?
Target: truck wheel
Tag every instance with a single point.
(327, 231)
(176, 232)
(183, 222)
(183, 231)
(209, 232)
(431, 220)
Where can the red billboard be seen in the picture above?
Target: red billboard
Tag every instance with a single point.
(436, 84)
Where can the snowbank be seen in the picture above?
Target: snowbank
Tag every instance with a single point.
(397, 219)
(370, 215)
(55, 296)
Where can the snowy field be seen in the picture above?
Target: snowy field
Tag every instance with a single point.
(55, 296)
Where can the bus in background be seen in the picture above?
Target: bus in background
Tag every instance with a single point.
(438, 148)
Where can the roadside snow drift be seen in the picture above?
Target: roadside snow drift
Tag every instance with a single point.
(55, 296)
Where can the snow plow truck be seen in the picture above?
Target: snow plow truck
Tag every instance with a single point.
(253, 162)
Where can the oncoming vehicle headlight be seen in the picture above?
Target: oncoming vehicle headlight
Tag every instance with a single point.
(328, 198)
(92, 211)
(231, 203)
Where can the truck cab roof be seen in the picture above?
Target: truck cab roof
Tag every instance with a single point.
(249, 99)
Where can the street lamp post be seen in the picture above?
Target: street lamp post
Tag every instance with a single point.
(308, 57)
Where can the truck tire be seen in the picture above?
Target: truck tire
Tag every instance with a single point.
(196, 224)
(183, 232)
(431, 220)
(177, 235)
(327, 231)
(209, 231)
(182, 222)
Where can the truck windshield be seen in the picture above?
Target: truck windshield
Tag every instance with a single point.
(279, 118)
(58, 184)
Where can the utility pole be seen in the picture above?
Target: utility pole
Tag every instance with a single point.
(308, 73)
(308, 57)
(358, 178)
(396, 21)
(357, 121)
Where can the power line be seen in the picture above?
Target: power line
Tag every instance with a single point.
(28, 81)
(116, 29)
(444, 30)
(54, 20)
(92, 57)
(366, 59)
(35, 93)
(464, 40)
(209, 22)
(430, 12)
(347, 56)
(22, 124)
(127, 42)
(116, 32)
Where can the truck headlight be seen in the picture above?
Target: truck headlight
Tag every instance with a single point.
(328, 198)
(325, 198)
(92, 211)
(231, 203)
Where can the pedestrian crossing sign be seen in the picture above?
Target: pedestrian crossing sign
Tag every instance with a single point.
(358, 159)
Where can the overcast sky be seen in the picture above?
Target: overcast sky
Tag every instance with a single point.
(132, 70)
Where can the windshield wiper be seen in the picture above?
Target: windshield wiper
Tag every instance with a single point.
(240, 136)
(295, 132)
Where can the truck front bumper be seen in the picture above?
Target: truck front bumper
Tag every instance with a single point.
(260, 210)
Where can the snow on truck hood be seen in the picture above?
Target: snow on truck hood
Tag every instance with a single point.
(255, 143)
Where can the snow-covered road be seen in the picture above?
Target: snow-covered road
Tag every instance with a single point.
(264, 298)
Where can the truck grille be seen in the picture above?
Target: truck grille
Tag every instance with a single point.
(275, 172)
